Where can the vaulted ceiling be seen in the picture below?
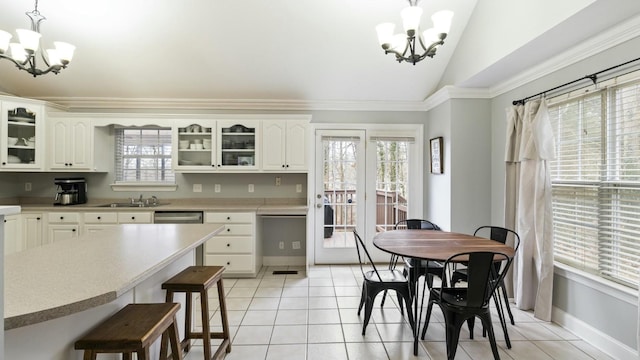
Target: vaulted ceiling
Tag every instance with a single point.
(307, 51)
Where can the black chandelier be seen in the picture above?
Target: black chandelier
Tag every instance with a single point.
(24, 53)
(405, 46)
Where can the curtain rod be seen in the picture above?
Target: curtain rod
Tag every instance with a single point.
(593, 77)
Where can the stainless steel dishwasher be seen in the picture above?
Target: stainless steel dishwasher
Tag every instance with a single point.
(181, 217)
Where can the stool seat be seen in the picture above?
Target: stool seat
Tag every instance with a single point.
(198, 279)
(133, 329)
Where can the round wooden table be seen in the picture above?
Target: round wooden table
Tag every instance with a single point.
(432, 245)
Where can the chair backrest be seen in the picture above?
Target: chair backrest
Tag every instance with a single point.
(499, 234)
(363, 252)
(486, 269)
(414, 224)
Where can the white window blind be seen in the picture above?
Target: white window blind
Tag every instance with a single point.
(596, 182)
(143, 155)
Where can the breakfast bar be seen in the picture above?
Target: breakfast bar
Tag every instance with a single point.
(55, 293)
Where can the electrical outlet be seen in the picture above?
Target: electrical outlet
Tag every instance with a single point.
(197, 187)
(27, 186)
(251, 188)
(278, 180)
(298, 188)
(295, 245)
(281, 245)
(216, 188)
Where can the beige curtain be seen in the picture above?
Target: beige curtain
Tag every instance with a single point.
(530, 144)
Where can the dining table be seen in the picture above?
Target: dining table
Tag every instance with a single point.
(432, 245)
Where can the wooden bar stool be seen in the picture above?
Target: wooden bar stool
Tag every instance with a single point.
(199, 279)
(133, 329)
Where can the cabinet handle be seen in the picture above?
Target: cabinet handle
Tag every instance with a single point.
(4, 163)
(228, 230)
(133, 218)
(61, 217)
(287, 165)
(228, 245)
(5, 221)
(38, 218)
(228, 263)
(282, 165)
(228, 217)
(99, 217)
(73, 230)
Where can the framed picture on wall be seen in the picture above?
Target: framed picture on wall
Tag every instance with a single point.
(435, 146)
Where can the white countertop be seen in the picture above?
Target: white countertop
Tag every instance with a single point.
(73, 275)
(9, 210)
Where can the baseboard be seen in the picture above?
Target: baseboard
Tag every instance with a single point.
(593, 336)
(284, 260)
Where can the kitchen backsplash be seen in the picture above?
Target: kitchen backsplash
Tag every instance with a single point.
(231, 185)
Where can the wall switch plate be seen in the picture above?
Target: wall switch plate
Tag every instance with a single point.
(251, 188)
(216, 188)
(197, 187)
(298, 188)
(295, 245)
(281, 245)
(278, 180)
(27, 186)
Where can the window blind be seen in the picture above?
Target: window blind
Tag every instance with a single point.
(143, 155)
(596, 182)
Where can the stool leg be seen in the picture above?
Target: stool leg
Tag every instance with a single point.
(174, 339)
(188, 330)
(223, 315)
(89, 355)
(206, 329)
(143, 354)
(164, 340)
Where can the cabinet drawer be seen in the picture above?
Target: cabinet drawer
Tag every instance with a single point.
(101, 218)
(229, 245)
(232, 263)
(237, 229)
(226, 218)
(64, 217)
(134, 217)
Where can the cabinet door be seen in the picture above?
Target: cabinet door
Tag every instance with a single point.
(12, 238)
(273, 145)
(237, 144)
(21, 136)
(32, 230)
(296, 149)
(59, 149)
(135, 217)
(62, 232)
(80, 152)
(194, 146)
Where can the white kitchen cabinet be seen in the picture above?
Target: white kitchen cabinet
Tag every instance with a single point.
(33, 229)
(135, 217)
(235, 247)
(194, 146)
(284, 145)
(12, 235)
(70, 144)
(62, 225)
(238, 145)
(22, 137)
(98, 221)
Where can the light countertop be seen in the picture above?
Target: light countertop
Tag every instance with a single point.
(73, 275)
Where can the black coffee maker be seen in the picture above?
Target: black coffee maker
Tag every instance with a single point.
(70, 191)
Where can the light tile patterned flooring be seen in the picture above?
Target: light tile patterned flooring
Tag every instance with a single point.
(314, 316)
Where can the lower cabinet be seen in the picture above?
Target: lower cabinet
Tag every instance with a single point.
(33, 229)
(62, 225)
(98, 221)
(235, 248)
(13, 241)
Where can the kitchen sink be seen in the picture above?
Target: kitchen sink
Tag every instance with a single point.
(130, 205)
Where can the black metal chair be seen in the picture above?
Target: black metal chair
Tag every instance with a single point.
(376, 281)
(505, 236)
(485, 272)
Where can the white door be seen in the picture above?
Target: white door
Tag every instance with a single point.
(340, 195)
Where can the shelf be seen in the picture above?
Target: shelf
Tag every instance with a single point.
(194, 134)
(195, 150)
(21, 123)
(21, 147)
(239, 150)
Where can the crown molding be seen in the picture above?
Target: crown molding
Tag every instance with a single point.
(617, 35)
(78, 104)
(453, 92)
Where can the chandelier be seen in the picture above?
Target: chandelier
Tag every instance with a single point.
(24, 54)
(404, 46)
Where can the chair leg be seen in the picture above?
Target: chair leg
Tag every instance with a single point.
(470, 324)
(362, 298)
(486, 322)
(506, 302)
(368, 307)
(503, 320)
(400, 301)
(427, 318)
(453, 323)
(384, 297)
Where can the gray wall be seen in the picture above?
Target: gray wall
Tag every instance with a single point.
(595, 307)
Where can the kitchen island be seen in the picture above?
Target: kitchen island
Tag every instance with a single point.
(55, 293)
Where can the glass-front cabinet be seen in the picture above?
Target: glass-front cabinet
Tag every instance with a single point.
(195, 143)
(21, 136)
(237, 144)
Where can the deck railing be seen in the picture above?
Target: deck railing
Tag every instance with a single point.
(391, 207)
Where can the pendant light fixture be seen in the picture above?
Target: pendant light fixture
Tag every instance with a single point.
(405, 45)
(24, 54)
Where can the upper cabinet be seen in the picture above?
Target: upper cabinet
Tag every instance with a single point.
(21, 136)
(194, 146)
(238, 142)
(284, 145)
(70, 144)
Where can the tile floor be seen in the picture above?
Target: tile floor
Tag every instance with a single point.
(314, 316)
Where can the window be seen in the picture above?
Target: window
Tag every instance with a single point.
(596, 182)
(392, 178)
(143, 155)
